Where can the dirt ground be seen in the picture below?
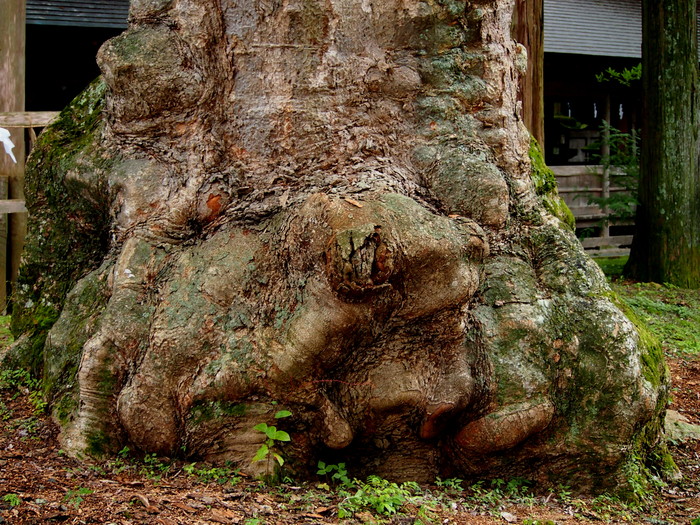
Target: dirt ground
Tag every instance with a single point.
(38, 484)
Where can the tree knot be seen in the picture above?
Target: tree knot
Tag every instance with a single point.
(359, 261)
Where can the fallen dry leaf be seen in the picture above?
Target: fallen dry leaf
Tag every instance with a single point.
(143, 499)
(314, 516)
(184, 507)
(354, 202)
(221, 516)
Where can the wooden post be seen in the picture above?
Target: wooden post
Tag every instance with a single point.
(12, 86)
(605, 158)
(528, 25)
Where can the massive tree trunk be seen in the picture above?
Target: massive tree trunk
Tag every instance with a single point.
(324, 206)
(666, 246)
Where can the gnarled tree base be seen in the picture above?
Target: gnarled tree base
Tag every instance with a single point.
(326, 207)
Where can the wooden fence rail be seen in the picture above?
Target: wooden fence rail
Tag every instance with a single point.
(30, 120)
(576, 185)
(27, 119)
(12, 206)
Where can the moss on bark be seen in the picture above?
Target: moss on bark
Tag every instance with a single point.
(546, 186)
(80, 317)
(68, 200)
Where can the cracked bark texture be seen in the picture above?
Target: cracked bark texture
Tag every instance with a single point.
(324, 205)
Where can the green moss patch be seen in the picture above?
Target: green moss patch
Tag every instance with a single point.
(671, 314)
(209, 410)
(546, 186)
(68, 234)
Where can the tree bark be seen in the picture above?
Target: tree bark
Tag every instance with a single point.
(666, 246)
(327, 207)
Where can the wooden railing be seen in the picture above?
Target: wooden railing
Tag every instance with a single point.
(28, 120)
(576, 185)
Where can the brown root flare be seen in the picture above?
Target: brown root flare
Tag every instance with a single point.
(504, 429)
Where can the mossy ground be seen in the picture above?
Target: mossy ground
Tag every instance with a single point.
(6, 336)
(670, 313)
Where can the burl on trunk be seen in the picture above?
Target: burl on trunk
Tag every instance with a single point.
(326, 206)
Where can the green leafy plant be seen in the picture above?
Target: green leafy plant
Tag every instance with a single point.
(489, 497)
(153, 467)
(24, 383)
(13, 378)
(13, 500)
(220, 475)
(119, 463)
(75, 497)
(36, 398)
(622, 166)
(5, 412)
(625, 77)
(499, 492)
(451, 485)
(268, 450)
(379, 495)
(337, 474)
(609, 507)
(564, 494)
(29, 427)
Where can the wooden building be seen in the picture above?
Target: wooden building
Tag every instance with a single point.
(62, 39)
(583, 38)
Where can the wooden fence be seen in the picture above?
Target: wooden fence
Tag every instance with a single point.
(576, 185)
(12, 183)
(29, 120)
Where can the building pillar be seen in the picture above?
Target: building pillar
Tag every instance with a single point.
(12, 89)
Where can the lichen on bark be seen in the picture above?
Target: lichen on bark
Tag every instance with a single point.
(341, 221)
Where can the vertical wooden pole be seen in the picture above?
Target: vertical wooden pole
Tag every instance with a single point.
(12, 87)
(528, 29)
(605, 157)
